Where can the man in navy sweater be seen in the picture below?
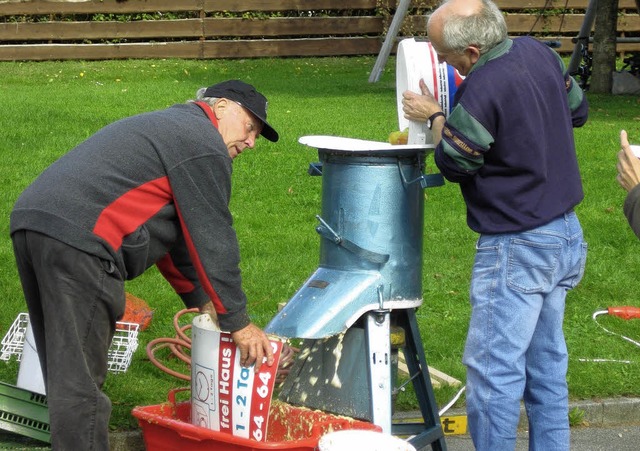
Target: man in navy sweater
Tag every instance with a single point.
(509, 144)
(149, 189)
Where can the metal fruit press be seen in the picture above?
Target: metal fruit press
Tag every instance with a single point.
(357, 311)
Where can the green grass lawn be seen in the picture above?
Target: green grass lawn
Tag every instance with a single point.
(49, 107)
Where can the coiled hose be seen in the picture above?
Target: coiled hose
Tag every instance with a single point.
(180, 347)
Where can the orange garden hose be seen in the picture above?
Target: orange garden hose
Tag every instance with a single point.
(176, 345)
(180, 347)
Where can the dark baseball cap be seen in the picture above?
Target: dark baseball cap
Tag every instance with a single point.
(247, 96)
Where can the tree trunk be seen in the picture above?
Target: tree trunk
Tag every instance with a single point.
(604, 46)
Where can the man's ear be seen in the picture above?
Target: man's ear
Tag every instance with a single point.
(474, 53)
(220, 107)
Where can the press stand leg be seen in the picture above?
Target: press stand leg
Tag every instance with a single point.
(430, 430)
(379, 361)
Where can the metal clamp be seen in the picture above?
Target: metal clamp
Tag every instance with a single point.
(426, 180)
(327, 232)
(315, 169)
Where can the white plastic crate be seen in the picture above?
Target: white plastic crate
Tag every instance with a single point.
(123, 345)
(13, 341)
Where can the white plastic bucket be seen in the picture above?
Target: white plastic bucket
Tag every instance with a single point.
(30, 372)
(225, 396)
(417, 60)
(354, 439)
(205, 341)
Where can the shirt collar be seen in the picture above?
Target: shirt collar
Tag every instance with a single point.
(209, 112)
(496, 52)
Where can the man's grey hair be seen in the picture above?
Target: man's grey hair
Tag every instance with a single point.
(201, 98)
(484, 30)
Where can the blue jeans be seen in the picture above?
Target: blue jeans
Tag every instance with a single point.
(515, 347)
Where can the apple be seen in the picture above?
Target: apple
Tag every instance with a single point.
(399, 137)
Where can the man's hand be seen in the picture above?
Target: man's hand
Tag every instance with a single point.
(254, 345)
(211, 310)
(419, 107)
(628, 165)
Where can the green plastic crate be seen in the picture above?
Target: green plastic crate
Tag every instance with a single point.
(24, 412)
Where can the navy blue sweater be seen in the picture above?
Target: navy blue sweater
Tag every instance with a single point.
(509, 141)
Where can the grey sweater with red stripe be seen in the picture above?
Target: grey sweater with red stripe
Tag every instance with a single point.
(149, 189)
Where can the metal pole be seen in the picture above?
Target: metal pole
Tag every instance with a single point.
(398, 17)
(583, 37)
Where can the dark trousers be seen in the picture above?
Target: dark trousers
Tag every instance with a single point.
(74, 300)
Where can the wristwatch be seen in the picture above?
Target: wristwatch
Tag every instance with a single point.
(433, 118)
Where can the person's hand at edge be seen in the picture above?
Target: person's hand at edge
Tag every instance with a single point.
(628, 165)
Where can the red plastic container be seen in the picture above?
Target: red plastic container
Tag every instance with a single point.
(167, 427)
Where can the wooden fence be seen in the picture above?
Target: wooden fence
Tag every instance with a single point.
(203, 29)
